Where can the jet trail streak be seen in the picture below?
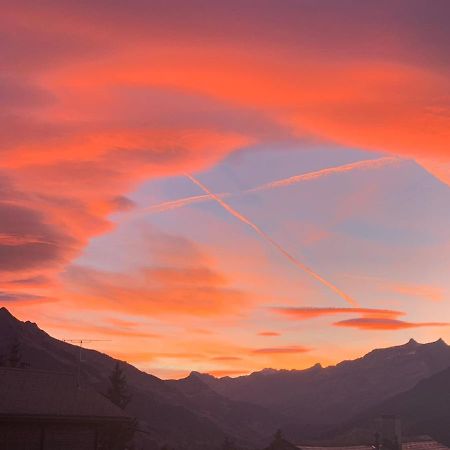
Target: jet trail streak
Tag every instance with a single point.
(275, 244)
(359, 165)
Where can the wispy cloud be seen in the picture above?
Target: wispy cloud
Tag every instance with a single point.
(226, 358)
(22, 297)
(410, 289)
(314, 312)
(378, 323)
(183, 271)
(370, 318)
(282, 350)
(269, 333)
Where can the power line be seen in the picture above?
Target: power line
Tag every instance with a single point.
(80, 343)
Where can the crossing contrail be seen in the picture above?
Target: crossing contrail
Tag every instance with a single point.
(367, 164)
(272, 242)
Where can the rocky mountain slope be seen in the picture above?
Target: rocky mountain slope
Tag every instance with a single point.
(169, 413)
(318, 397)
(199, 411)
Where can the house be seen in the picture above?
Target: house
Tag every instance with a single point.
(388, 436)
(42, 410)
(425, 443)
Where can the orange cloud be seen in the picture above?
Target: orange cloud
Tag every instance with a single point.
(226, 358)
(374, 323)
(8, 297)
(141, 294)
(281, 350)
(314, 312)
(86, 115)
(94, 114)
(146, 356)
(94, 328)
(422, 291)
(269, 333)
(370, 318)
(183, 281)
(432, 293)
(30, 282)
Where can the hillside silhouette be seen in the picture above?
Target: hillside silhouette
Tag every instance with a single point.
(201, 411)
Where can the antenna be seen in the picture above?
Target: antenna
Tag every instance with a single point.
(80, 343)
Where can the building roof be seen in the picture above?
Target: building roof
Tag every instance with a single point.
(25, 392)
(416, 445)
(424, 445)
(350, 447)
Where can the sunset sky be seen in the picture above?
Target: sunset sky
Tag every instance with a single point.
(226, 186)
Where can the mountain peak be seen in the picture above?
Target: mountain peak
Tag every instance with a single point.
(199, 376)
(194, 374)
(4, 310)
(412, 342)
(5, 315)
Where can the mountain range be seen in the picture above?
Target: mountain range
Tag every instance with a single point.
(199, 411)
(317, 398)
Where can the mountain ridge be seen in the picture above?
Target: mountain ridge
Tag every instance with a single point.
(166, 412)
(200, 410)
(322, 396)
(270, 370)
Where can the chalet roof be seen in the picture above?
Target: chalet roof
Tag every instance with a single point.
(416, 445)
(350, 447)
(25, 392)
(424, 445)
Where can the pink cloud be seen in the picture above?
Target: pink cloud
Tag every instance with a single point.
(281, 350)
(374, 323)
(86, 115)
(269, 333)
(226, 358)
(312, 312)
(183, 281)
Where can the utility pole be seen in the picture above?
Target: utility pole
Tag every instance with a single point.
(80, 343)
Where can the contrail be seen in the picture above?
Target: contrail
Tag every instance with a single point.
(275, 244)
(359, 165)
(173, 204)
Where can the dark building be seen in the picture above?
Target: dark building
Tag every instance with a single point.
(388, 436)
(42, 410)
(424, 444)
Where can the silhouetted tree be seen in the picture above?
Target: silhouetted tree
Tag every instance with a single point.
(118, 436)
(279, 443)
(118, 389)
(228, 444)
(15, 356)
